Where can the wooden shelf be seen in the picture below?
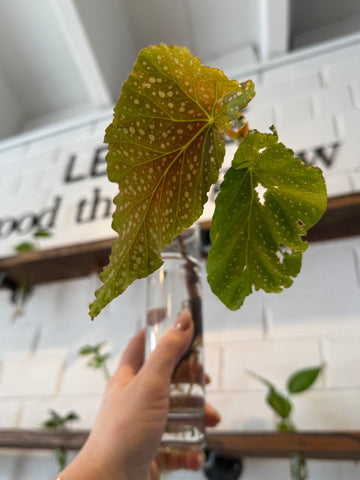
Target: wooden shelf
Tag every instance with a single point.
(320, 445)
(342, 219)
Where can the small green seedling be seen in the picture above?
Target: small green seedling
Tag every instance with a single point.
(60, 424)
(97, 359)
(280, 403)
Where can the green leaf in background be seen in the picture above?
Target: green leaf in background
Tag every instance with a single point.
(25, 247)
(61, 456)
(303, 379)
(267, 201)
(91, 349)
(260, 379)
(59, 422)
(42, 234)
(165, 151)
(279, 403)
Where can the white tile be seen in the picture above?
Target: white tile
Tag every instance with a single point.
(327, 410)
(357, 256)
(222, 324)
(183, 475)
(338, 183)
(98, 129)
(13, 155)
(18, 336)
(55, 141)
(10, 186)
(36, 465)
(260, 118)
(212, 362)
(355, 93)
(293, 112)
(290, 90)
(337, 470)
(344, 357)
(326, 268)
(332, 100)
(7, 308)
(242, 410)
(314, 314)
(9, 413)
(79, 379)
(308, 135)
(31, 375)
(347, 71)
(30, 182)
(269, 468)
(273, 360)
(355, 180)
(8, 461)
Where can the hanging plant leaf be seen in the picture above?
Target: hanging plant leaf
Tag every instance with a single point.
(303, 379)
(42, 234)
(165, 151)
(280, 404)
(25, 247)
(267, 202)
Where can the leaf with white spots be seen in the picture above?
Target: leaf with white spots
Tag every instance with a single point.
(267, 201)
(165, 151)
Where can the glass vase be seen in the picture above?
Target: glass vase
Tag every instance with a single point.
(172, 289)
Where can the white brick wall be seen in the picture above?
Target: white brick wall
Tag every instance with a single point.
(316, 321)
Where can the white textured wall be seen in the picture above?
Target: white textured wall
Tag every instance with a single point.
(313, 103)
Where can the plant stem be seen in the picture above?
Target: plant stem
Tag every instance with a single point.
(105, 371)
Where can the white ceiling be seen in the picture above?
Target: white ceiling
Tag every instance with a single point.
(61, 58)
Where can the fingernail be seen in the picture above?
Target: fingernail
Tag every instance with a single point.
(183, 321)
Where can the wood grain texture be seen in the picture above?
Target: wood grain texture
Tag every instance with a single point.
(321, 445)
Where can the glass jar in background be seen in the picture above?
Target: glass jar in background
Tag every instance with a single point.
(172, 289)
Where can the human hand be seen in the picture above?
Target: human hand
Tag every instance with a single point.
(132, 418)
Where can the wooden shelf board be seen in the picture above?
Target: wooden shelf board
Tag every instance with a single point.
(320, 445)
(342, 219)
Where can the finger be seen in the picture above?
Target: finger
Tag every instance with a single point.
(212, 416)
(132, 359)
(171, 347)
(207, 378)
(177, 459)
(154, 472)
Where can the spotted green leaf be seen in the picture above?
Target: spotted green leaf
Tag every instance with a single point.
(165, 151)
(267, 202)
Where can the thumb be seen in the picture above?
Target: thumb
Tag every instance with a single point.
(171, 347)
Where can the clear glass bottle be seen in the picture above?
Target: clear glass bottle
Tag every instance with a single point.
(173, 288)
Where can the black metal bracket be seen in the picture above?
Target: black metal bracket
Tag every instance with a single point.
(6, 282)
(221, 467)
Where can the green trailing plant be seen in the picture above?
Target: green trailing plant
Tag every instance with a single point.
(97, 359)
(60, 423)
(280, 403)
(34, 243)
(24, 289)
(166, 147)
